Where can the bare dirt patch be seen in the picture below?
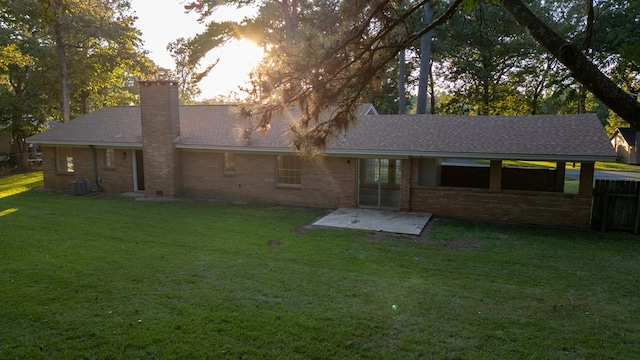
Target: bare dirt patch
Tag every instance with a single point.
(274, 242)
(303, 229)
(468, 244)
(380, 236)
(425, 238)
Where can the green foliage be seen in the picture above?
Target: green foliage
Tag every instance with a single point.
(481, 77)
(10, 55)
(120, 278)
(186, 72)
(613, 122)
(323, 54)
(103, 52)
(488, 66)
(469, 5)
(617, 30)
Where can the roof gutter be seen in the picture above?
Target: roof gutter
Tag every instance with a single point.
(488, 156)
(408, 154)
(86, 144)
(243, 149)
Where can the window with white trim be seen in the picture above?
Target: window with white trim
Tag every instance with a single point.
(289, 171)
(108, 157)
(229, 164)
(64, 160)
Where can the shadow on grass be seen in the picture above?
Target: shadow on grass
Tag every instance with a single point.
(111, 277)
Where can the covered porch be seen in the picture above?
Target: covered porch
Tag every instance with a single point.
(494, 192)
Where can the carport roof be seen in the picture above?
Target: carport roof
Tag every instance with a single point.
(218, 127)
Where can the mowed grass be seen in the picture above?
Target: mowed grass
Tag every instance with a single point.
(100, 277)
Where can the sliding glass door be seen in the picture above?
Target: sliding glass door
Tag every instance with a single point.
(379, 183)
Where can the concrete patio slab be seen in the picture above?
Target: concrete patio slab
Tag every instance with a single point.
(399, 222)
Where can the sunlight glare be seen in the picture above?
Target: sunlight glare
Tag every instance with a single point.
(237, 59)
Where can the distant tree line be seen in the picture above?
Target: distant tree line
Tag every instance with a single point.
(63, 58)
(508, 57)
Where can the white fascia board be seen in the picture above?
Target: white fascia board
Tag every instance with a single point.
(237, 149)
(409, 154)
(489, 156)
(85, 144)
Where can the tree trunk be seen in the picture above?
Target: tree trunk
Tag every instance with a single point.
(586, 45)
(581, 68)
(402, 93)
(484, 108)
(21, 150)
(290, 16)
(62, 59)
(425, 61)
(432, 91)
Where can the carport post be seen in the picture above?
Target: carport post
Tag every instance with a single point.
(560, 174)
(586, 178)
(495, 177)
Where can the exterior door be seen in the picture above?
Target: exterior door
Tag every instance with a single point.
(379, 183)
(138, 171)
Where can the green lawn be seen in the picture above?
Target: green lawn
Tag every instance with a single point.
(99, 277)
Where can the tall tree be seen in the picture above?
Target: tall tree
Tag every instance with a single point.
(56, 12)
(101, 52)
(85, 32)
(425, 61)
(402, 73)
(338, 72)
(582, 69)
(23, 102)
(336, 68)
(186, 72)
(482, 49)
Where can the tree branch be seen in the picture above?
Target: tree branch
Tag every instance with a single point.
(581, 68)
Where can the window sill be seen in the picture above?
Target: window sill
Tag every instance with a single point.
(64, 173)
(289, 186)
(229, 174)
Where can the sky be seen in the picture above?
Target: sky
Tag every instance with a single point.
(164, 21)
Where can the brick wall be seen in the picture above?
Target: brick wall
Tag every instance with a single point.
(331, 182)
(327, 182)
(525, 207)
(119, 177)
(159, 109)
(53, 180)
(513, 206)
(115, 179)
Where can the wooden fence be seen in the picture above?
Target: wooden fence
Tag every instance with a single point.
(616, 205)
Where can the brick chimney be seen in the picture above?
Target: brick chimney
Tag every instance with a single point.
(160, 121)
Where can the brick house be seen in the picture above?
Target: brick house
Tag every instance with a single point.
(403, 162)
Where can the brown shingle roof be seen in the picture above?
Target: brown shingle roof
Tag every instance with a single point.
(504, 137)
(557, 137)
(110, 126)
